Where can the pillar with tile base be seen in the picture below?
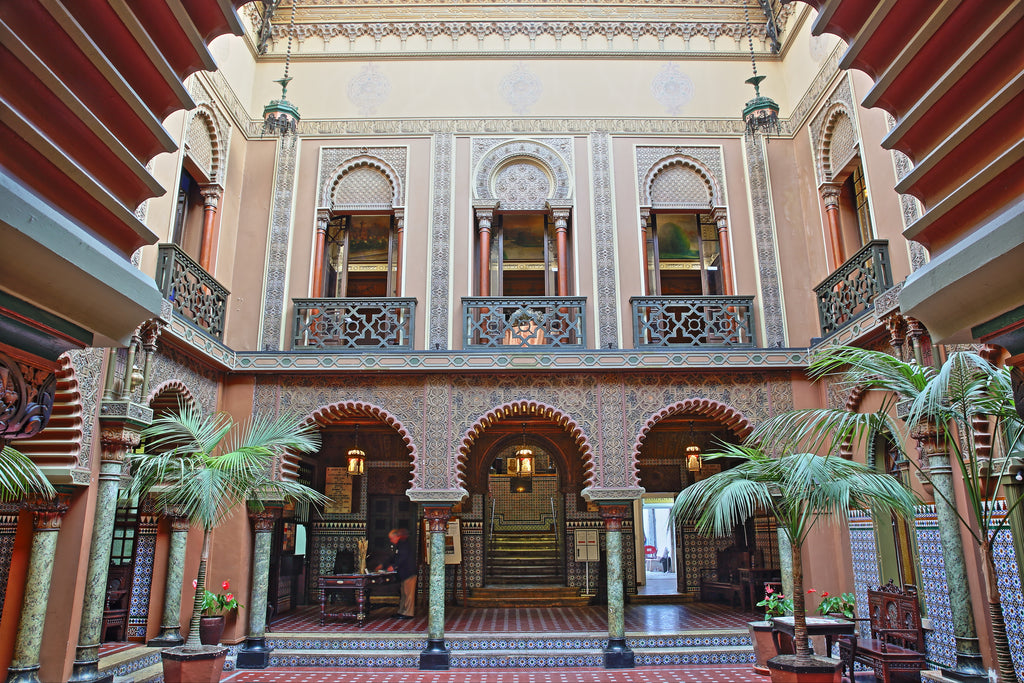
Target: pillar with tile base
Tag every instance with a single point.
(617, 654)
(120, 424)
(436, 655)
(46, 519)
(255, 654)
(170, 621)
(969, 665)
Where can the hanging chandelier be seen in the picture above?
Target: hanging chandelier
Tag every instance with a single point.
(356, 457)
(281, 116)
(692, 452)
(761, 114)
(524, 458)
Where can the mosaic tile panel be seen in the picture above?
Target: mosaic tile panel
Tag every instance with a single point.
(8, 531)
(939, 642)
(1008, 579)
(142, 576)
(865, 559)
(87, 364)
(769, 279)
(277, 243)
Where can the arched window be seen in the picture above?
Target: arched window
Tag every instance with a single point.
(684, 255)
(361, 256)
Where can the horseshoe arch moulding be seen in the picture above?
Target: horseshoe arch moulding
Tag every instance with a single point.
(550, 155)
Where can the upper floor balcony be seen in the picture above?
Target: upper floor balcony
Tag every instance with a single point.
(353, 324)
(194, 293)
(552, 322)
(851, 290)
(692, 321)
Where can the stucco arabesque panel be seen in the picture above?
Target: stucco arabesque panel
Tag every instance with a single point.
(87, 364)
(170, 364)
(277, 243)
(333, 157)
(841, 94)
(489, 154)
(440, 239)
(710, 156)
(604, 240)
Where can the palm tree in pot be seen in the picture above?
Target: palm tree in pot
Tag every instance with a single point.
(208, 466)
(960, 406)
(798, 489)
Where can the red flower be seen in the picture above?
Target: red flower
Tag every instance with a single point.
(195, 583)
(226, 585)
(825, 594)
(768, 590)
(811, 590)
(229, 597)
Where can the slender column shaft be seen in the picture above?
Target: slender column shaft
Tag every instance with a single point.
(436, 656)
(211, 196)
(255, 654)
(968, 652)
(399, 239)
(484, 218)
(170, 620)
(319, 244)
(830, 196)
(617, 654)
(116, 438)
(561, 217)
(46, 519)
(648, 237)
(722, 224)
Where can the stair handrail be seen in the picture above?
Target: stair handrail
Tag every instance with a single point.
(491, 531)
(554, 518)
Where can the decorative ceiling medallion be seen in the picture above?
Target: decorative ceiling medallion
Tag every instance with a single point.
(368, 90)
(672, 88)
(520, 89)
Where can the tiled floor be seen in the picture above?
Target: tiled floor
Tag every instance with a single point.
(651, 619)
(661, 674)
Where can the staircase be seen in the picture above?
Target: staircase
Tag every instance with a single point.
(519, 558)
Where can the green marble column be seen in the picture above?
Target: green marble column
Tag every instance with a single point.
(969, 665)
(617, 654)
(170, 620)
(118, 435)
(436, 656)
(255, 654)
(46, 519)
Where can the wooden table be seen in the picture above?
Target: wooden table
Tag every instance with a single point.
(816, 626)
(361, 584)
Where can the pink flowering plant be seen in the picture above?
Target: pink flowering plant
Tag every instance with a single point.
(837, 604)
(775, 604)
(217, 603)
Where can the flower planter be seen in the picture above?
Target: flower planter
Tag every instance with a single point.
(790, 669)
(184, 664)
(211, 629)
(764, 645)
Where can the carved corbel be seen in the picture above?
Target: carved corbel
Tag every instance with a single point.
(26, 398)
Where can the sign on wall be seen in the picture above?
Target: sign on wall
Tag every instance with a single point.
(586, 545)
(338, 487)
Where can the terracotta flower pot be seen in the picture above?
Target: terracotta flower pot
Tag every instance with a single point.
(815, 669)
(183, 664)
(211, 629)
(764, 645)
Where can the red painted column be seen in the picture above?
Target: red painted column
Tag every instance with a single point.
(645, 230)
(722, 223)
(830, 195)
(483, 224)
(211, 195)
(323, 216)
(561, 217)
(399, 238)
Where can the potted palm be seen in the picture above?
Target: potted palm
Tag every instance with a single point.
(959, 405)
(207, 467)
(798, 489)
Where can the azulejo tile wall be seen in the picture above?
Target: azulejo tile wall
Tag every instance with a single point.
(1008, 579)
(865, 558)
(939, 642)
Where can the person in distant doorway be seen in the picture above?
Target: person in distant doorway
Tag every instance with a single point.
(404, 563)
(666, 560)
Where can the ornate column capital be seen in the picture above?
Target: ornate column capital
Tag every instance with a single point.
(211, 195)
(47, 514)
(437, 518)
(561, 219)
(897, 327)
(645, 217)
(830, 195)
(323, 217)
(484, 217)
(720, 216)
(399, 220)
(263, 520)
(613, 515)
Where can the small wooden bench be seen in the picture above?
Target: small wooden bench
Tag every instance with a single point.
(896, 649)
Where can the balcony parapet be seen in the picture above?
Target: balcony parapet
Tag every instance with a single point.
(524, 323)
(692, 321)
(194, 293)
(851, 290)
(353, 324)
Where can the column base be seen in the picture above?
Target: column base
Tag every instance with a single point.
(169, 639)
(88, 672)
(617, 654)
(23, 674)
(254, 654)
(964, 676)
(435, 656)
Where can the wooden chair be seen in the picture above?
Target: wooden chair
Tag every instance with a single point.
(115, 612)
(896, 649)
(850, 675)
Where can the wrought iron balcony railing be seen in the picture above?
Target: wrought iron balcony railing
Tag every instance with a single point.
(692, 321)
(353, 324)
(195, 295)
(551, 322)
(852, 288)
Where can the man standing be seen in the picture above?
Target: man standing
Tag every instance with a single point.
(404, 563)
